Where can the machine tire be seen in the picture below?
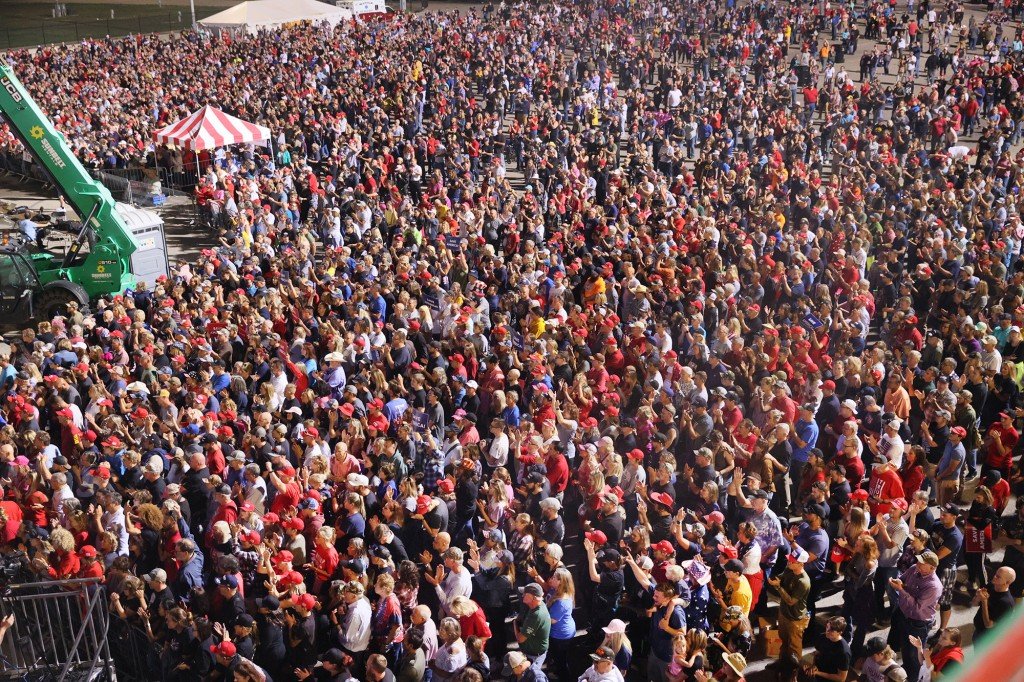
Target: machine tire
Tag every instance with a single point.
(53, 300)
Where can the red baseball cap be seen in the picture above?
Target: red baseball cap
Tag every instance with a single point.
(661, 498)
(597, 537)
(664, 546)
(715, 517)
(226, 649)
(290, 578)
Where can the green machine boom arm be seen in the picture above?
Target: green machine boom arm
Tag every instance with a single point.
(107, 267)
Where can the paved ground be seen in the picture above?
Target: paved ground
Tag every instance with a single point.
(184, 237)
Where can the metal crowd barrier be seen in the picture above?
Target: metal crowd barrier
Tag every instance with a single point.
(59, 632)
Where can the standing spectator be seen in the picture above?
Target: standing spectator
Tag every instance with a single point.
(994, 601)
(948, 541)
(354, 620)
(919, 590)
(667, 621)
(859, 586)
(532, 626)
(793, 586)
(561, 603)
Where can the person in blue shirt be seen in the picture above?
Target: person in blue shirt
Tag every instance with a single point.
(561, 603)
(30, 230)
(335, 375)
(113, 452)
(804, 437)
(220, 379)
(667, 621)
(190, 575)
(698, 575)
(7, 374)
(511, 413)
(815, 541)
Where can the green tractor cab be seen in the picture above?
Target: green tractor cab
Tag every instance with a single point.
(113, 247)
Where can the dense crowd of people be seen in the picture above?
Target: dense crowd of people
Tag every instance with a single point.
(745, 335)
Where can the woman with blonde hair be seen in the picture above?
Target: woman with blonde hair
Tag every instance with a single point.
(324, 558)
(151, 524)
(386, 627)
(354, 438)
(495, 506)
(65, 563)
(615, 639)
(472, 621)
(859, 592)
(521, 542)
(852, 527)
(560, 602)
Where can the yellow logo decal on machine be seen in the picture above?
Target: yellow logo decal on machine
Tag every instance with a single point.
(37, 132)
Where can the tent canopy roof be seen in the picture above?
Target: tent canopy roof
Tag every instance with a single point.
(209, 128)
(256, 14)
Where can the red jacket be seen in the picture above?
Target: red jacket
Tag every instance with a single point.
(557, 472)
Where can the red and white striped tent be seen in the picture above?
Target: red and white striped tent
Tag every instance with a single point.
(209, 128)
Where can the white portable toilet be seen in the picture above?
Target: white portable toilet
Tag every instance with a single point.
(150, 260)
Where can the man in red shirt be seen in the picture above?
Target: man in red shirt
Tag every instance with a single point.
(999, 444)
(227, 510)
(288, 491)
(885, 485)
(557, 469)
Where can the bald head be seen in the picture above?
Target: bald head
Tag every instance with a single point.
(1003, 578)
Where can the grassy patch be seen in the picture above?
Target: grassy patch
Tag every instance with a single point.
(28, 24)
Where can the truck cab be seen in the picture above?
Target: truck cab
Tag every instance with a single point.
(18, 285)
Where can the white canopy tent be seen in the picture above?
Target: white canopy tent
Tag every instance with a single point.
(253, 15)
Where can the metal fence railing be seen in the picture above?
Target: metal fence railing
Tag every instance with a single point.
(29, 33)
(60, 629)
(135, 657)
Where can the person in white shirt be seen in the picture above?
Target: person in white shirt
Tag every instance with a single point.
(354, 619)
(603, 668)
(889, 446)
(497, 453)
(255, 487)
(278, 381)
(61, 494)
(457, 582)
(421, 618)
(110, 517)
